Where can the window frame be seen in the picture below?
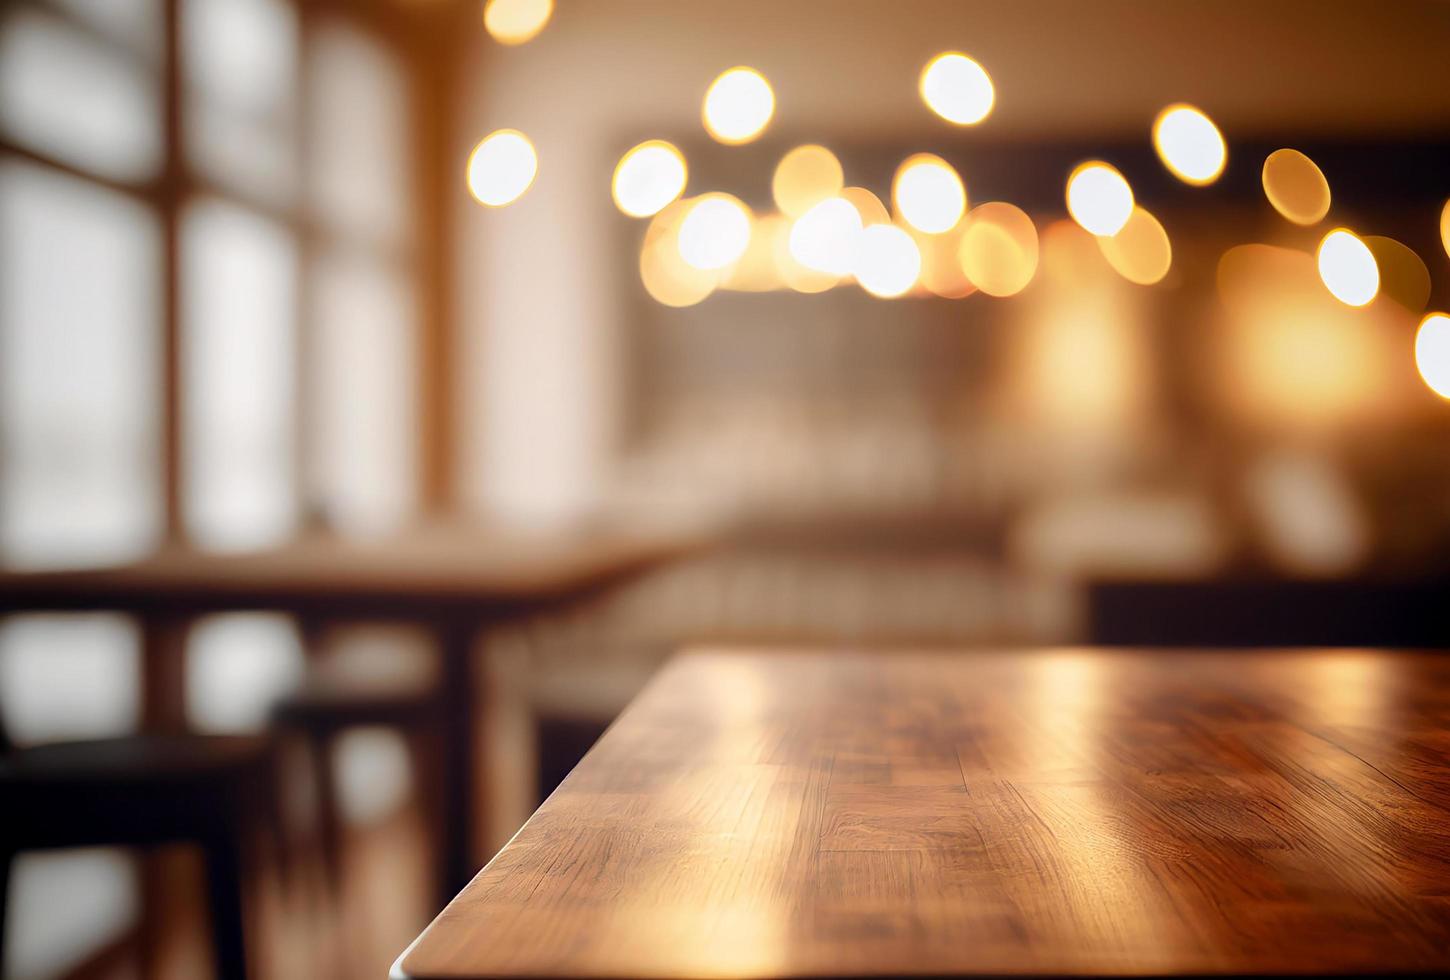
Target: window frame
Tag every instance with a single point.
(427, 43)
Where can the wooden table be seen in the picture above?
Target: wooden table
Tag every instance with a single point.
(1089, 812)
(454, 580)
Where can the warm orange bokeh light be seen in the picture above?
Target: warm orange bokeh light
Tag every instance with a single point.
(868, 205)
(1404, 278)
(1296, 187)
(805, 177)
(998, 249)
(516, 21)
(667, 277)
(1141, 252)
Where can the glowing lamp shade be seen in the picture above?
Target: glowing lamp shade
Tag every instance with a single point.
(805, 177)
(715, 232)
(824, 239)
(928, 194)
(1099, 198)
(1189, 144)
(1347, 268)
(516, 21)
(1296, 187)
(956, 88)
(501, 167)
(648, 178)
(1432, 353)
(738, 106)
(888, 262)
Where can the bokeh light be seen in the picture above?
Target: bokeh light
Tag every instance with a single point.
(805, 177)
(715, 231)
(516, 21)
(1296, 187)
(1445, 227)
(797, 277)
(1140, 252)
(738, 106)
(1432, 353)
(1347, 268)
(648, 178)
(824, 239)
(758, 271)
(1189, 144)
(867, 205)
(941, 270)
(1072, 258)
(956, 88)
(501, 168)
(887, 261)
(1289, 356)
(666, 276)
(999, 250)
(1404, 278)
(1099, 198)
(928, 194)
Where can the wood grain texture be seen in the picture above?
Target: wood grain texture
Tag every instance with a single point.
(1085, 812)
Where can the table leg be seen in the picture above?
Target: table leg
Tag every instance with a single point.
(460, 680)
(163, 672)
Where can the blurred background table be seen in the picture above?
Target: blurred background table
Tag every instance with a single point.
(455, 581)
(1064, 811)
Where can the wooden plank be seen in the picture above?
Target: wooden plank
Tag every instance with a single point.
(1088, 812)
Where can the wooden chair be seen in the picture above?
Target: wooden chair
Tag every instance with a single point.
(142, 791)
(331, 702)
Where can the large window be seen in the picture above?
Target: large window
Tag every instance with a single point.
(208, 331)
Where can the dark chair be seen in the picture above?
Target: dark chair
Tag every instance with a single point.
(335, 699)
(143, 791)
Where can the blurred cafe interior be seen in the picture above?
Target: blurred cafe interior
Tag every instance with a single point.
(389, 387)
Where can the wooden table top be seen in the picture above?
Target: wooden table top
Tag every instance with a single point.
(1090, 812)
(427, 567)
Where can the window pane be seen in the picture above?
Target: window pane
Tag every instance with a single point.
(239, 298)
(69, 676)
(241, 68)
(134, 23)
(357, 114)
(64, 905)
(363, 377)
(77, 98)
(238, 664)
(79, 372)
